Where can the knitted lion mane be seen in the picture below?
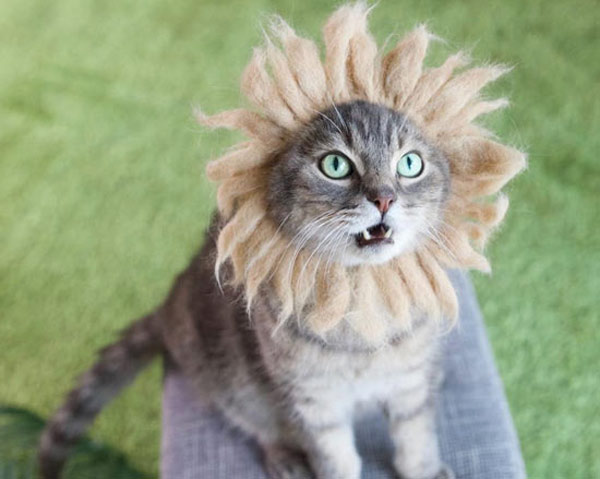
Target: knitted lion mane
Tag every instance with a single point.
(287, 83)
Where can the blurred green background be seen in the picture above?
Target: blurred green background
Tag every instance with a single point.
(103, 198)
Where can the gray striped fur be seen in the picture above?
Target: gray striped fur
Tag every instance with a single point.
(295, 392)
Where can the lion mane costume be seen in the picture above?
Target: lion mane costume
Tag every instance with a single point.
(287, 83)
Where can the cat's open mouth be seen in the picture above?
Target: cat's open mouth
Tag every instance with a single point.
(378, 234)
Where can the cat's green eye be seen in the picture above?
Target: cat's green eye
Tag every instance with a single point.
(336, 166)
(410, 165)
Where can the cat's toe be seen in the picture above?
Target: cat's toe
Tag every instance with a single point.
(445, 473)
(284, 463)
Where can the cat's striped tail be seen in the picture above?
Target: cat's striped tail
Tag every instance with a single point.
(116, 368)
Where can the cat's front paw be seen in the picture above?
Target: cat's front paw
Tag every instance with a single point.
(284, 463)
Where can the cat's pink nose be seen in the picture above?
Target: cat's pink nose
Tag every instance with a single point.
(383, 199)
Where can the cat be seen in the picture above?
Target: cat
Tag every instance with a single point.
(295, 391)
(320, 286)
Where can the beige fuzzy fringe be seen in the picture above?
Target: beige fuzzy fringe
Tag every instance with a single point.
(287, 84)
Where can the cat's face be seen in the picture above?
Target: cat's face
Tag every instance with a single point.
(358, 185)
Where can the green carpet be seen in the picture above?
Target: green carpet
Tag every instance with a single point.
(103, 198)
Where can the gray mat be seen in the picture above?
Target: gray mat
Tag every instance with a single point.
(477, 436)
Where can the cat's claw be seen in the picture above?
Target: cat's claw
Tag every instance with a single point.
(445, 473)
(284, 463)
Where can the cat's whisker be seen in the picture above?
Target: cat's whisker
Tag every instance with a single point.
(329, 246)
(443, 238)
(342, 235)
(298, 237)
(330, 239)
(339, 115)
(315, 227)
(322, 243)
(447, 225)
(313, 232)
(266, 246)
(328, 119)
(432, 235)
(305, 233)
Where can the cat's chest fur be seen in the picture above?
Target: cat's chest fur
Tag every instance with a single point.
(346, 367)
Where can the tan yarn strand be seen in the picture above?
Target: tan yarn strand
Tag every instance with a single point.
(418, 285)
(441, 285)
(332, 299)
(394, 294)
(431, 81)
(304, 62)
(237, 161)
(370, 321)
(402, 66)
(262, 91)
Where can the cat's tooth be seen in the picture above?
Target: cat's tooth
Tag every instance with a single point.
(366, 235)
(388, 233)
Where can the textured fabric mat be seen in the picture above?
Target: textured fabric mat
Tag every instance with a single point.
(477, 436)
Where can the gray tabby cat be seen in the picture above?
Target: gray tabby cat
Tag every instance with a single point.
(359, 184)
